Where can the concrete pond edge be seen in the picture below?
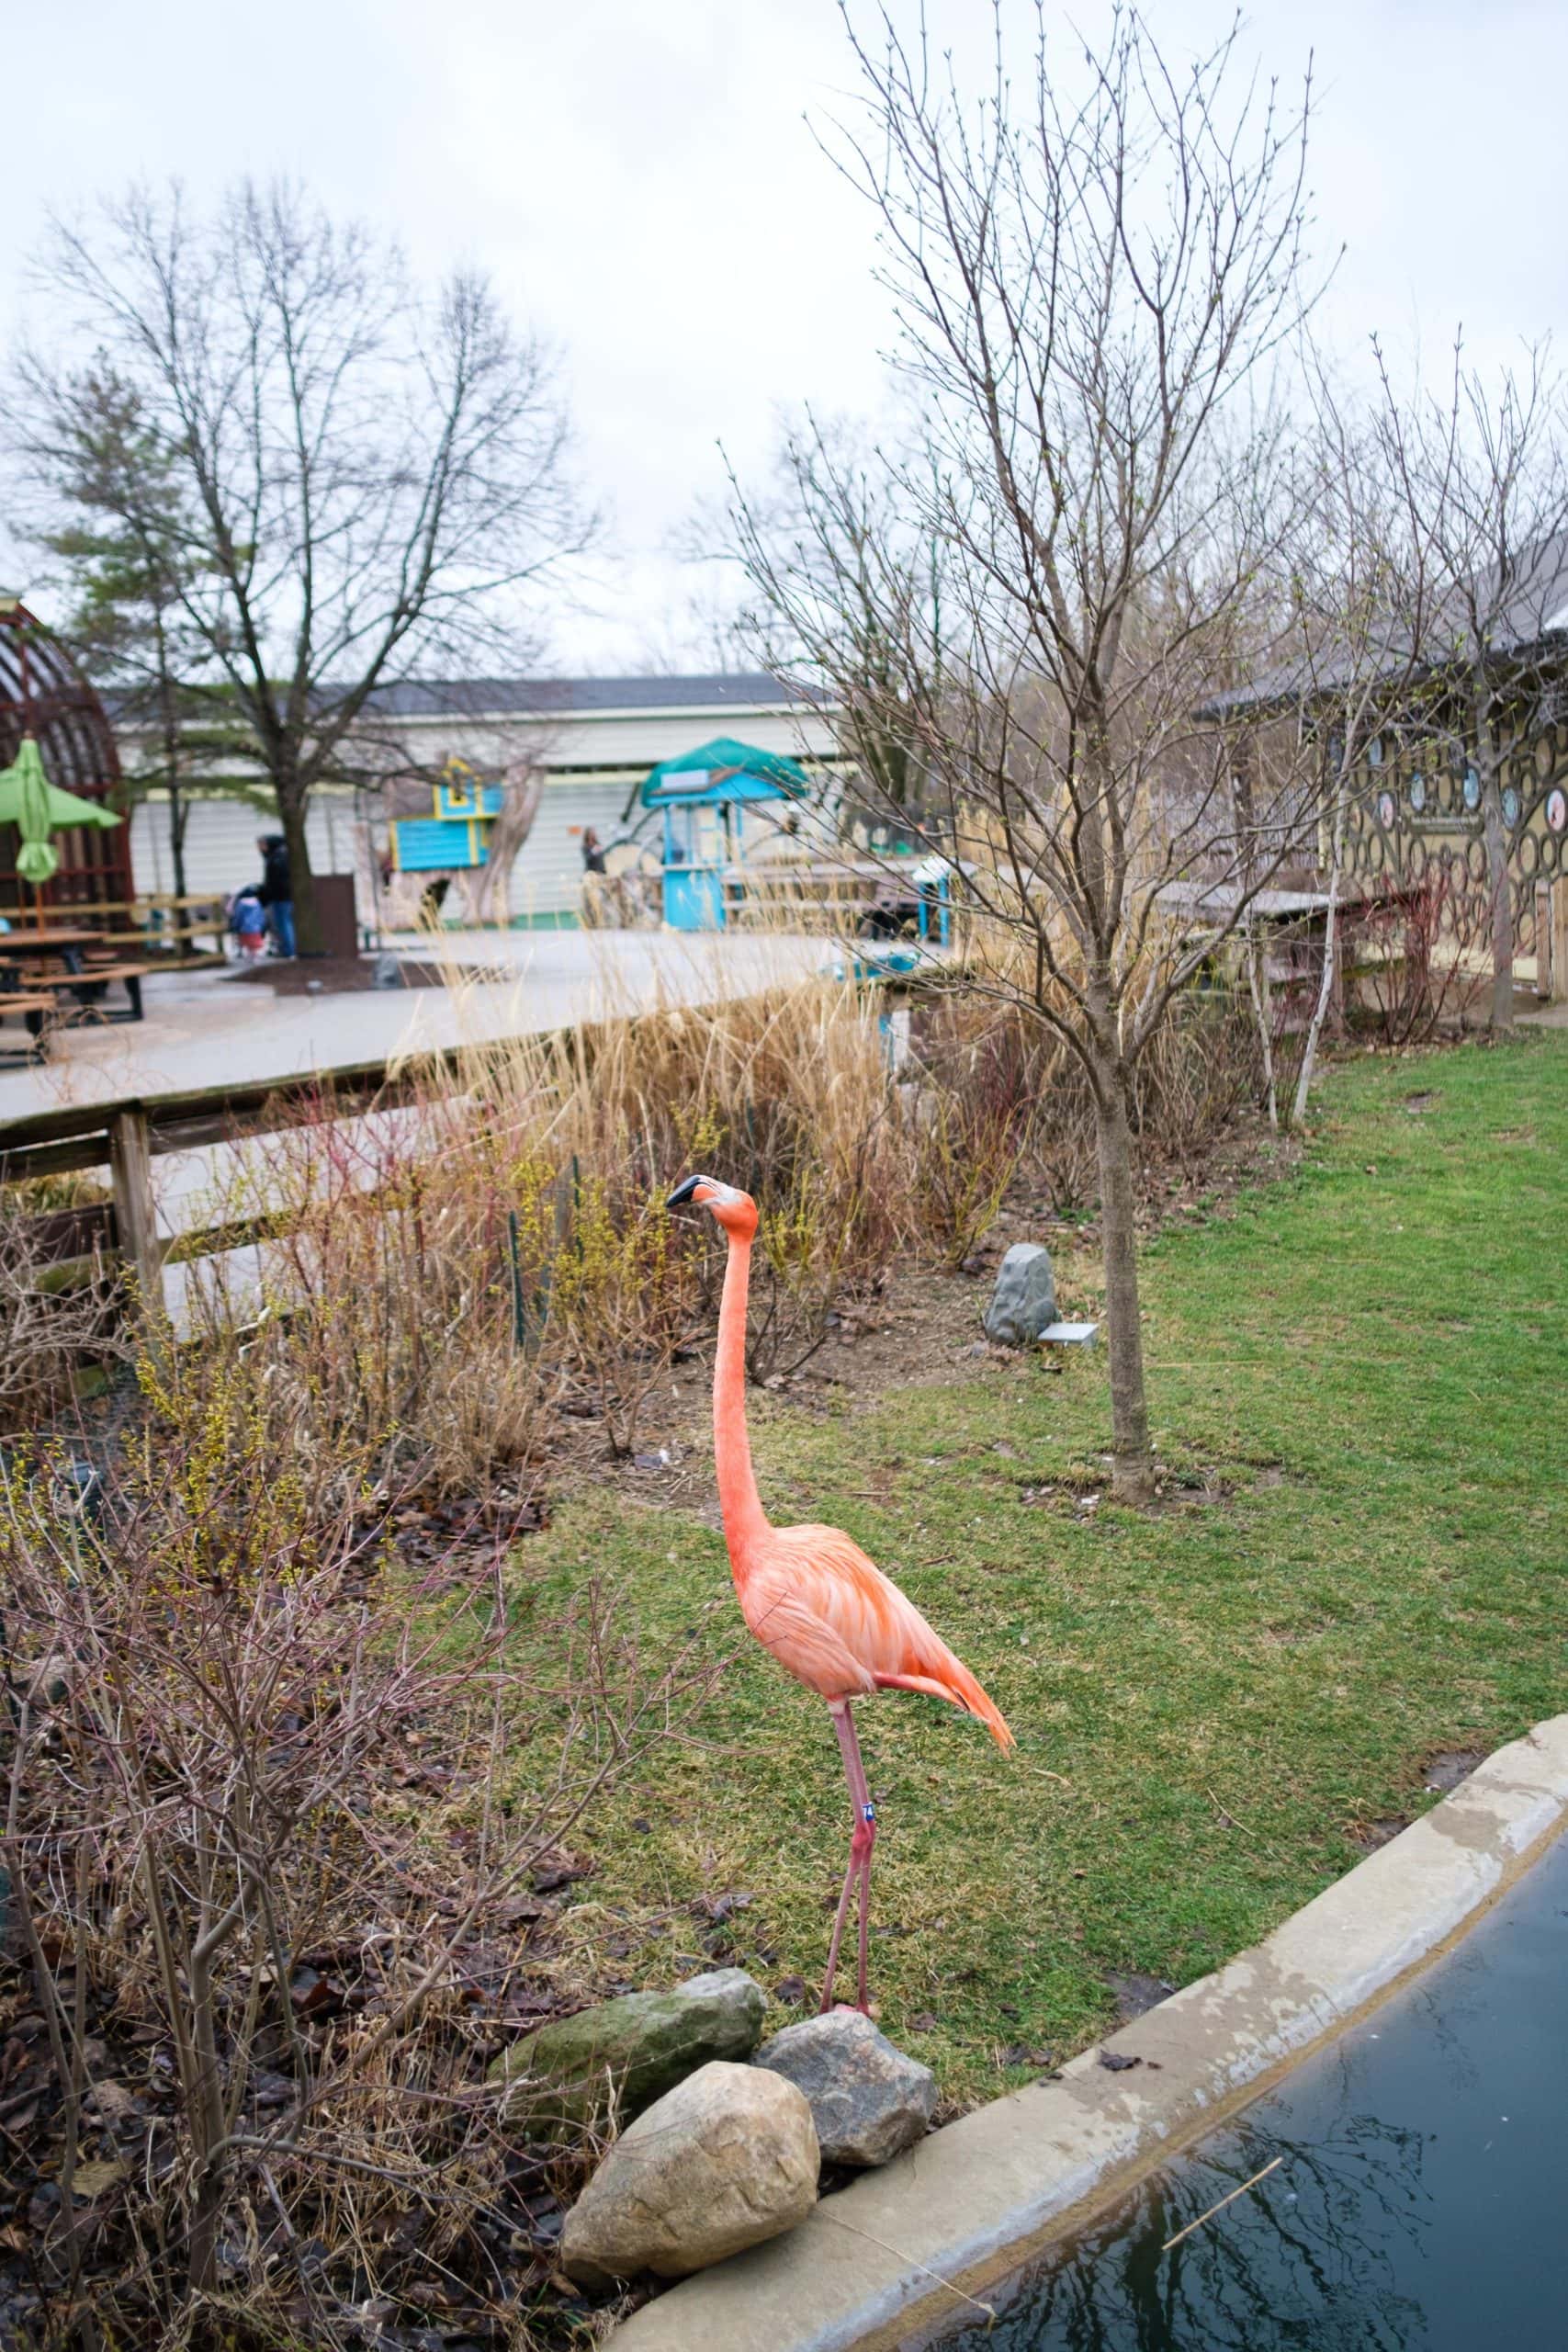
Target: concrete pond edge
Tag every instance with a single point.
(887, 2264)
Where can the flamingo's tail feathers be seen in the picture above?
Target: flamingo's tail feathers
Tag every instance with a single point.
(996, 1723)
(959, 1688)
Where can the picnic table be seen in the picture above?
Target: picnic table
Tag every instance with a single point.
(88, 965)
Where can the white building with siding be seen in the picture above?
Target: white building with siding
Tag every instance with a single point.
(595, 738)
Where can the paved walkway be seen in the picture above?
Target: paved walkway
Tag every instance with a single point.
(203, 1030)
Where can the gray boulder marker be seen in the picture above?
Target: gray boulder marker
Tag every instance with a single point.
(1023, 1304)
(726, 2160)
(869, 2101)
(627, 2052)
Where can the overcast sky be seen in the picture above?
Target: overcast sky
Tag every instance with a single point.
(640, 178)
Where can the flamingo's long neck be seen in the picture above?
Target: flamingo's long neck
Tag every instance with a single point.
(744, 1518)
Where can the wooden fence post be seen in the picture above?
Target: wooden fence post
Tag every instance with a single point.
(131, 1176)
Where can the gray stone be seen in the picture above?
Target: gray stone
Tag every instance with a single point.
(389, 973)
(869, 2101)
(1024, 1301)
(724, 2161)
(624, 2054)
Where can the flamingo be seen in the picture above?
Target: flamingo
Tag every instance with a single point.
(809, 1594)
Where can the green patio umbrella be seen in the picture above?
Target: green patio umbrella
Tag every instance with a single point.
(38, 809)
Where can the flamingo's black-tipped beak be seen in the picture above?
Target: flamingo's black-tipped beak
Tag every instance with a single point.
(682, 1193)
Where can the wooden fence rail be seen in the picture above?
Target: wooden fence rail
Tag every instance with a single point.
(125, 1138)
(128, 1136)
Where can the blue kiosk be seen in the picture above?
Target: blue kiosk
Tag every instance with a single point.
(714, 801)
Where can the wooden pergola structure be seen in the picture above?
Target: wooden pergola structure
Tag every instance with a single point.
(44, 694)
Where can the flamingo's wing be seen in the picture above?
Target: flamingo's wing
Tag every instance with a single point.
(878, 1625)
(804, 1643)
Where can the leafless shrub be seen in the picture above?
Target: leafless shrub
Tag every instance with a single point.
(989, 1081)
(54, 1314)
(1009, 1099)
(1417, 963)
(264, 1810)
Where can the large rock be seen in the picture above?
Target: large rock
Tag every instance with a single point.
(727, 2159)
(1024, 1302)
(625, 2053)
(868, 2101)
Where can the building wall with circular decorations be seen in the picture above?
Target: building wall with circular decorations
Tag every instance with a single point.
(1417, 819)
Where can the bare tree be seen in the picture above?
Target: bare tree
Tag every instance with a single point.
(118, 549)
(1484, 466)
(522, 788)
(1077, 547)
(369, 479)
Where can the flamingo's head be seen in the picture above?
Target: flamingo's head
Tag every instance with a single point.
(736, 1212)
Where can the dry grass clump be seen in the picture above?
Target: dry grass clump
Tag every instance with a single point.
(437, 1286)
(442, 1281)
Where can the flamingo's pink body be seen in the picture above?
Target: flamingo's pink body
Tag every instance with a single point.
(809, 1594)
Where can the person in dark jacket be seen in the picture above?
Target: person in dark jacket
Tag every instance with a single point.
(592, 853)
(276, 893)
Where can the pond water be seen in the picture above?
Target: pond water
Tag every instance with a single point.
(1420, 2205)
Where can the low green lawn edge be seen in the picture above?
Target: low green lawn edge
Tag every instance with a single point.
(1362, 1369)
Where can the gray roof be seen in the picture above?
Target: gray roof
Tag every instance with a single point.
(455, 697)
(1521, 609)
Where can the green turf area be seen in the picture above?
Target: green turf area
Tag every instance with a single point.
(1369, 1361)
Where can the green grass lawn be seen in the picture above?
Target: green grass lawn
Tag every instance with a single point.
(1368, 1361)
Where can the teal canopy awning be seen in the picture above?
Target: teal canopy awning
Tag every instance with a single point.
(724, 769)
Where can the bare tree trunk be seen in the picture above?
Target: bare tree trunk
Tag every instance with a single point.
(179, 817)
(1133, 1470)
(1262, 1013)
(1326, 985)
(1489, 761)
(1251, 940)
(307, 939)
(168, 715)
(522, 788)
(1502, 899)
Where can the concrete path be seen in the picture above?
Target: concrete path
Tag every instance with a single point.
(204, 1030)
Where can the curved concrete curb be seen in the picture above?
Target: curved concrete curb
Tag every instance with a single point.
(975, 2199)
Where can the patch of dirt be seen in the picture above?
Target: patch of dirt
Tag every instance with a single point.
(1442, 1771)
(1189, 1489)
(1134, 1993)
(1370, 1835)
(1448, 1767)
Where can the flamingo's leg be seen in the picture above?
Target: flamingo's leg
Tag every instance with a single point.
(860, 1844)
(838, 1937)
